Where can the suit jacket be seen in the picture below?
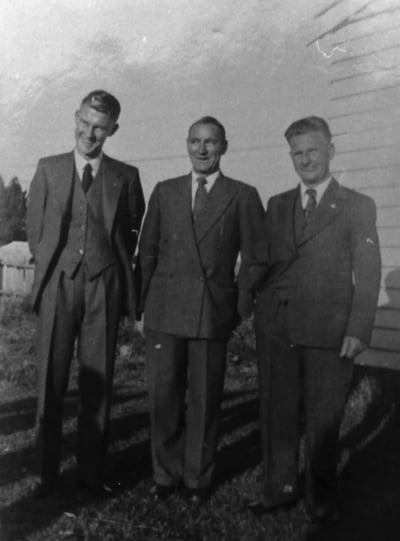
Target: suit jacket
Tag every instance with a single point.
(48, 213)
(330, 278)
(189, 284)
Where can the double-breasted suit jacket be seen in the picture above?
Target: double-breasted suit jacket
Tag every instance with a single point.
(189, 284)
(192, 300)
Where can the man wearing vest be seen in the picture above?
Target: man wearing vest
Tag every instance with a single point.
(317, 273)
(194, 229)
(84, 215)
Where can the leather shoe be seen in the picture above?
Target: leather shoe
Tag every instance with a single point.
(45, 489)
(323, 513)
(196, 495)
(162, 492)
(100, 491)
(258, 508)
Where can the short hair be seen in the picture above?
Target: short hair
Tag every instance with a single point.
(210, 120)
(307, 125)
(104, 102)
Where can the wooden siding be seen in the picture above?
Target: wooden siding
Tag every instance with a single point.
(361, 42)
(16, 279)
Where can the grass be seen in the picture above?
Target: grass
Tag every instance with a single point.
(370, 439)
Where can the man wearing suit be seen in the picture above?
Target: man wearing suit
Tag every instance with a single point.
(317, 273)
(84, 215)
(195, 227)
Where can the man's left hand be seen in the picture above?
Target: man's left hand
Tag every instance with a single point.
(351, 347)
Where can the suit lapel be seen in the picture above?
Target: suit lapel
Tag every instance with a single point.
(330, 206)
(286, 221)
(181, 199)
(64, 175)
(112, 181)
(219, 198)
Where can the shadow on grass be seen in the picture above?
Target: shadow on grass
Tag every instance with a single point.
(19, 415)
(128, 466)
(370, 480)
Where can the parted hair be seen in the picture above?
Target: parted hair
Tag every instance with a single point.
(104, 102)
(307, 125)
(210, 120)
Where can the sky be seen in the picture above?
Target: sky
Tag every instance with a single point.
(169, 62)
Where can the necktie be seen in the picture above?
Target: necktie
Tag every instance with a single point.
(200, 197)
(311, 202)
(87, 177)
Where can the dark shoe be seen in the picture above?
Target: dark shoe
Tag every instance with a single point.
(196, 495)
(162, 492)
(100, 491)
(323, 513)
(46, 489)
(259, 508)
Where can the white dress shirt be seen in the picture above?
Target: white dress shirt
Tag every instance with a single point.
(210, 182)
(320, 189)
(81, 162)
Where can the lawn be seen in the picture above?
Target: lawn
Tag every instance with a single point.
(369, 468)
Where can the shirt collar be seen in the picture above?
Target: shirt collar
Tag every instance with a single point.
(80, 163)
(210, 179)
(319, 188)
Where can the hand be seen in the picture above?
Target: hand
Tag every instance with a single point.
(351, 347)
(138, 326)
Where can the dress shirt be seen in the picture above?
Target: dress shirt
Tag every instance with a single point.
(210, 182)
(80, 163)
(319, 189)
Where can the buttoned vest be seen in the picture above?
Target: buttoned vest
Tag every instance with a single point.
(86, 240)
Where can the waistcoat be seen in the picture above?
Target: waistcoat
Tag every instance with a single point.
(87, 241)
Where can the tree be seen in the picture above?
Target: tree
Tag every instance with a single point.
(6, 234)
(13, 201)
(17, 201)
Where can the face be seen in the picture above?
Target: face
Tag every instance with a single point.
(205, 146)
(311, 153)
(91, 130)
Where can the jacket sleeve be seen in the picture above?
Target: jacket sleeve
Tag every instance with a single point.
(149, 244)
(36, 208)
(366, 269)
(251, 220)
(132, 213)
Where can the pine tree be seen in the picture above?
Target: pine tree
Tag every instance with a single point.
(6, 234)
(17, 201)
(13, 201)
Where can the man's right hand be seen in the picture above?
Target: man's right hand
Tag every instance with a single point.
(138, 326)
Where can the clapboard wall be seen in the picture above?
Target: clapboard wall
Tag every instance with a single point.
(360, 40)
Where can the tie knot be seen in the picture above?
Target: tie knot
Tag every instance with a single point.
(88, 168)
(311, 192)
(202, 181)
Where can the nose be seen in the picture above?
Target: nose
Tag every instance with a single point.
(202, 147)
(89, 132)
(305, 159)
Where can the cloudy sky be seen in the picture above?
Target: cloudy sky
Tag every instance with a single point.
(169, 62)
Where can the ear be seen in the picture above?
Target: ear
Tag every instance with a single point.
(332, 151)
(225, 148)
(113, 130)
(77, 116)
